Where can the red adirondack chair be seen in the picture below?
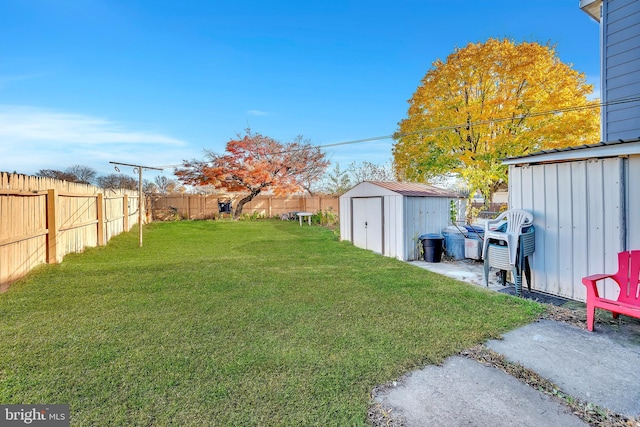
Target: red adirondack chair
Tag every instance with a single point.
(627, 277)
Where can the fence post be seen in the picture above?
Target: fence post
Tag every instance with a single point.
(100, 209)
(52, 227)
(125, 212)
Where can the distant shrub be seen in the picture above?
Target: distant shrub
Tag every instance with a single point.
(327, 218)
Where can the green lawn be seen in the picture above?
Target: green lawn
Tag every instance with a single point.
(232, 323)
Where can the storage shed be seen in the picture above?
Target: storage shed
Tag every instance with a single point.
(586, 209)
(388, 217)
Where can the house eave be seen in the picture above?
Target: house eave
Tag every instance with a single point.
(591, 8)
(599, 150)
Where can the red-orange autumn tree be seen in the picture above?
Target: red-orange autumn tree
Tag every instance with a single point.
(253, 163)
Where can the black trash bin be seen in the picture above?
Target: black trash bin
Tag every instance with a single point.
(224, 207)
(432, 245)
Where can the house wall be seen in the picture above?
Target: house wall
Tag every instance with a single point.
(500, 197)
(579, 215)
(620, 74)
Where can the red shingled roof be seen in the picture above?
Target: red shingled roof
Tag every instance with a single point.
(415, 189)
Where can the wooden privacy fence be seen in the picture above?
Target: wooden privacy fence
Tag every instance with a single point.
(198, 206)
(43, 219)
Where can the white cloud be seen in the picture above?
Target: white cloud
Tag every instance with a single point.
(31, 124)
(6, 79)
(257, 113)
(32, 139)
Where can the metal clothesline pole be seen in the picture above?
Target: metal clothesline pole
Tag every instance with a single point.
(139, 168)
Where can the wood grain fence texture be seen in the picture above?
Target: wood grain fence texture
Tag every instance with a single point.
(43, 219)
(197, 206)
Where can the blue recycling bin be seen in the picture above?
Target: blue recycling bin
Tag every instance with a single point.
(454, 244)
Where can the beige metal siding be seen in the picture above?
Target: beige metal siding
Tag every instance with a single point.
(424, 215)
(394, 232)
(577, 208)
(345, 218)
(632, 205)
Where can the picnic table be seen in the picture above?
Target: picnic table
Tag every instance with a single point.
(304, 214)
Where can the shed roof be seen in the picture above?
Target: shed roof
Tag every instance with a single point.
(588, 151)
(414, 189)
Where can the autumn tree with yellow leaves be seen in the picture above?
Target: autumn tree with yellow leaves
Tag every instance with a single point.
(489, 101)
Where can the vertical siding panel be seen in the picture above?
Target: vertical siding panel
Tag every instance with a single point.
(411, 223)
(595, 218)
(537, 207)
(414, 219)
(580, 231)
(389, 205)
(515, 188)
(527, 196)
(345, 218)
(632, 204)
(595, 209)
(613, 202)
(550, 250)
(565, 231)
(399, 228)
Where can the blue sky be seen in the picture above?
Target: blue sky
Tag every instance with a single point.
(154, 82)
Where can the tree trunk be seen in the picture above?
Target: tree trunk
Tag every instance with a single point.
(241, 203)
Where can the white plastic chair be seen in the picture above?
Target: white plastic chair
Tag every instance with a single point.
(517, 219)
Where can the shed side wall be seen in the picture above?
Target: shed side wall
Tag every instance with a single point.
(423, 215)
(345, 218)
(393, 222)
(577, 208)
(632, 204)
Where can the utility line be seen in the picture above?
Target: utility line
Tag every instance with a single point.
(483, 122)
(458, 126)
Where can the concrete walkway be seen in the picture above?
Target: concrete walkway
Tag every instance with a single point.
(601, 367)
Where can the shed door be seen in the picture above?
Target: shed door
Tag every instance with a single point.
(366, 223)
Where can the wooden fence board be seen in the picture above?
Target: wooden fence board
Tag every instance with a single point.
(198, 206)
(43, 219)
